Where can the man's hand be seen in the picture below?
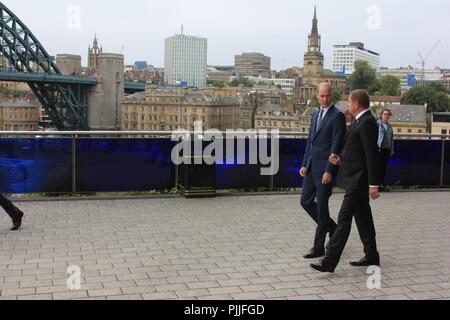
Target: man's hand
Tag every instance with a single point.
(327, 178)
(335, 160)
(303, 172)
(374, 193)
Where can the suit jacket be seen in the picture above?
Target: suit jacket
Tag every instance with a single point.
(325, 141)
(360, 157)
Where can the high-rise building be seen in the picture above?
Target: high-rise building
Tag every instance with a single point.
(253, 65)
(186, 60)
(345, 56)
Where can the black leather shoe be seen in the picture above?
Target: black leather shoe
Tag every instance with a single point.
(365, 262)
(17, 222)
(323, 266)
(314, 253)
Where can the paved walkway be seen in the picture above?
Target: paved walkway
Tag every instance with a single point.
(235, 247)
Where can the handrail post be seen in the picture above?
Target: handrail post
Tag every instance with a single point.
(74, 170)
(442, 162)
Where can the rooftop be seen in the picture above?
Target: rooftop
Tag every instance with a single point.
(407, 113)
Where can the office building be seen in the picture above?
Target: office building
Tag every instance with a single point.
(253, 65)
(345, 56)
(186, 61)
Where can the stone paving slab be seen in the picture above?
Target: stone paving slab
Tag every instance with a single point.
(231, 247)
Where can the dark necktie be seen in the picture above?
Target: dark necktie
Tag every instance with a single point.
(319, 123)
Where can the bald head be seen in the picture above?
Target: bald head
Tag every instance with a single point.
(324, 86)
(324, 95)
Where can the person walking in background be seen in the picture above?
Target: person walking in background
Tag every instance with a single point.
(359, 176)
(326, 137)
(15, 213)
(385, 143)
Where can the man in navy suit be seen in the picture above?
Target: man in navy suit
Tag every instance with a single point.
(326, 137)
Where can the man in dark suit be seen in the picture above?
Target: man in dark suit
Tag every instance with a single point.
(15, 213)
(326, 137)
(359, 176)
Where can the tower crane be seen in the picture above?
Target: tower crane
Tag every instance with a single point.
(423, 60)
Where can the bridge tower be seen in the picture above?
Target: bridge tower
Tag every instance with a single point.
(69, 64)
(105, 98)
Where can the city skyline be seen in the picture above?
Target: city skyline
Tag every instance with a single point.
(278, 30)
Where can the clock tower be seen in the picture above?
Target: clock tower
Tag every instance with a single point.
(314, 60)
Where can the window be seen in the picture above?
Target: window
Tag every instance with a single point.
(399, 130)
(444, 131)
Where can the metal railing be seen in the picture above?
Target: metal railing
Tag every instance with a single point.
(77, 136)
(170, 133)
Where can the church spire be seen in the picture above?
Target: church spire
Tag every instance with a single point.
(95, 42)
(315, 29)
(93, 54)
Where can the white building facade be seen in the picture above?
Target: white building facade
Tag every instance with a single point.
(345, 56)
(404, 73)
(287, 85)
(185, 61)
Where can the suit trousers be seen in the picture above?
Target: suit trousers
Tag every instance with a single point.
(8, 206)
(315, 201)
(356, 204)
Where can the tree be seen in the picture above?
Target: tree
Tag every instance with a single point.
(439, 87)
(244, 81)
(4, 91)
(363, 77)
(375, 88)
(314, 103)
(218, 84)
(432, 95)
(234, 83)
(389, 85)
(247, 83)
(336, 96)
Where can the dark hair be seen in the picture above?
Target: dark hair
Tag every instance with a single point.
(362, 97)
(383, 111)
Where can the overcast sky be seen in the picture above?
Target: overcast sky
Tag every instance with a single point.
(397, 29)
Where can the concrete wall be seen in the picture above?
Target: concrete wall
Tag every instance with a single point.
(69, 64)
(105, 97)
